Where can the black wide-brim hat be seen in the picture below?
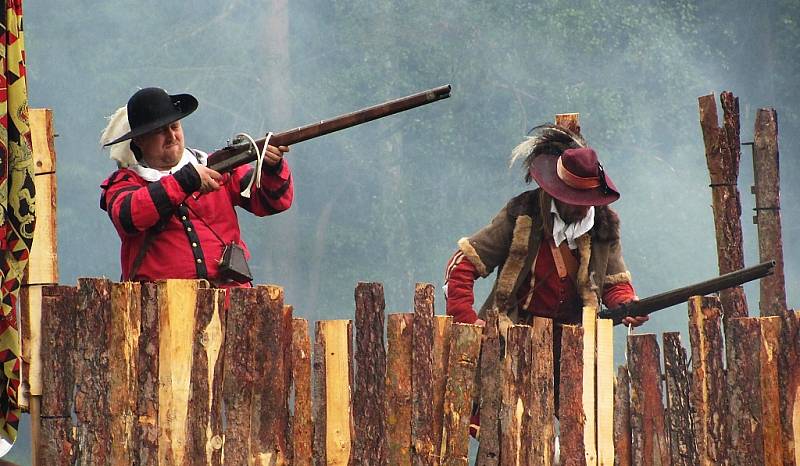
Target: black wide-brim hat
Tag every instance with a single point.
(575, 177)
(151, 108)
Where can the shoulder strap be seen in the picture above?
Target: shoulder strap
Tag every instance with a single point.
(148, 240)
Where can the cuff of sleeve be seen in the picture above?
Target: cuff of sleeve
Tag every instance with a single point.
(273, 169)
(188, 178)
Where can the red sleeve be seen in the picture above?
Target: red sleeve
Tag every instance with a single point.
(618, 293)
(275, 194)
(459, 279)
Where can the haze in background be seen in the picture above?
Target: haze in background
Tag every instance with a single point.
(387, 201)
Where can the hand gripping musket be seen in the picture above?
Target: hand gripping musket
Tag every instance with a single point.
(670, 298)
(240, 152)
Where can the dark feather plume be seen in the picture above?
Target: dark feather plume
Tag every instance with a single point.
(545, 139)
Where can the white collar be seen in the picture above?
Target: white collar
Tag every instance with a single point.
(151, 174)
(562, 231)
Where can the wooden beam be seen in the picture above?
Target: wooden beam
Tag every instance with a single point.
(423, 451)
(465, 344)
(370, 444)
(542, 406)
(622, 420)
(648, 432)
(571, 411)
(147, 402)
(398, 388)
(680, 430)
(589, 383)
(517, 390)
(605, 392)
(490, 394)
(441, 354)
(571, 121)
(302, 420)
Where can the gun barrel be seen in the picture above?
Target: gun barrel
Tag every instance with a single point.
(235, 155)
(670, 298)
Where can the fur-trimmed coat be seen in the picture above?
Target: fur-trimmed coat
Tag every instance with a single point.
(510, 244)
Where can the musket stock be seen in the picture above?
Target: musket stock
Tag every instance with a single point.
(670, 298)
(240, 153)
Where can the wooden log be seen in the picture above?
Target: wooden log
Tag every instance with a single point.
(542, 401)
(333, 419)
(722, 146)
(516, 389)
(571, 121)
(269, 419)
(441, 355)
(490, 393)
(465, 344)
(589, 383)
(204, 442)
(622, 420)
(399, 330)
(241, 332)
(422, 452)
(708, 381)
(605, 392)
(93, 439)
(302, 421)
(770, 390)
(571, 413)
(682, 441)
(369, 444)
(176, 320)
(123, 350)
(147, 365)
(57, 445)
(744, 391)
(648, 431)
(30, 314)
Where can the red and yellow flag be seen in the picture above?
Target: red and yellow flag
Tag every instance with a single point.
(17, 206)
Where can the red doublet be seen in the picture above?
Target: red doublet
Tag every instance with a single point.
(184, 245)
(552, 296)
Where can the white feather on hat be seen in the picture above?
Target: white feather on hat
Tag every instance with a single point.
(117, 126)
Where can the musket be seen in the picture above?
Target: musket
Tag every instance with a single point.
(680, 295)
(240, 152)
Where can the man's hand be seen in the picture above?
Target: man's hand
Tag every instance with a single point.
(209, 179)
(480, 323)
(274, 155)
(635, 321)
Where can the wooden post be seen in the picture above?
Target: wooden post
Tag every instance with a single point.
(571, 411)
(422, 376)
(333, 377)
(490, 394)
(622, 420)
(589, 379)
(147, 365)
(59, 352)
(465, 344)
(605, 392)
(517, 391)
(398, 388)
(708, 381)
(769, 363)
(648, 432)
(571, 121)
(42, 268)
(682, 441)
(542, 407)
(92, 372)
(722, 156)
(205, 404)
(302, 421)
(370, 376)
(441, 354)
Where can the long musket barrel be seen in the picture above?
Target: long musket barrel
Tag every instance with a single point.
(240, 153)
(680, 295)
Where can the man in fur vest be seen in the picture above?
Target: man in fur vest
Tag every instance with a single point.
(556, 248)
(175, 215)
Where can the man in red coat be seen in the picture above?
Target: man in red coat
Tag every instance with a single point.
(174, 215)
(556, 249)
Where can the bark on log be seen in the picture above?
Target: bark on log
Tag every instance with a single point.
(270, 415)
(622, 420)
(723, 152)
(92, 371)
(490, 395)
(708, 381)
(441, 354)
(398, 388)
(648, 432)
(333, 376)
(57, 446)
(369, 445)
(682, 441)
(571, 413)
(770, 391)
(302, 421)
(516, 388)
(147, 364)
(465, 344)
(542, 408)
(605, 392)
(123, 353)
(423, 451)
(205, 405)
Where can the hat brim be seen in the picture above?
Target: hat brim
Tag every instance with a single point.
(184, 104)
(543, 170)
